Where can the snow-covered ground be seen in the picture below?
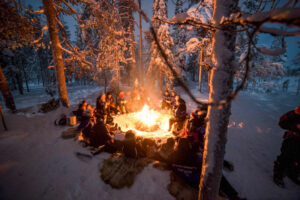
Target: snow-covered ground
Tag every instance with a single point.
(35, 163)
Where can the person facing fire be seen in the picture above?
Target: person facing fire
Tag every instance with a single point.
(288, 162)
(101, 107)
(179, 112)
(196, 126)
(111, 106)
(172, 98)
(88, 117)
(80, 111)
(122, 103)
(166, 102)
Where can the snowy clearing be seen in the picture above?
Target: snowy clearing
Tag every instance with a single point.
(35, 163)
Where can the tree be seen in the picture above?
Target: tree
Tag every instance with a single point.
(16, 30)
(180, 38)
(221, 86)
(57, 51)
(226, 23)
(9, 100)
(126, 13)
(157, 65)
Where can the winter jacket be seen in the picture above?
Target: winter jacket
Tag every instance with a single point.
(111, 101)
(97, 134)
(289, 121)
(101, 107)
(180, 110)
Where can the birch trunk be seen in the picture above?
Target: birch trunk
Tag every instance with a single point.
(9, 100)
(221, 84)
(57, 52)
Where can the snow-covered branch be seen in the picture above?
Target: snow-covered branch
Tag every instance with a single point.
(278, 32)
(286, 16)
(35, 11)
(271, 52)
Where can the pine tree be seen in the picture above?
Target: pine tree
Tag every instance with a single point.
(16, 31)
(179, 36)
(126, 12)
(57, 51)
(157, 65)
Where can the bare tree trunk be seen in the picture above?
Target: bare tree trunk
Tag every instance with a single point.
(3, 119)
(221, 84)
(26, 78)
(9, 99)
(141, 46)
(200, 69)
(19, 82)
(57, 52)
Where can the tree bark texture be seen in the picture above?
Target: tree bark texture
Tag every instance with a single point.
(57, 51)
(9, 99)
(221, 85)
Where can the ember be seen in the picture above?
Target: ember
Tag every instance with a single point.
(146, 123)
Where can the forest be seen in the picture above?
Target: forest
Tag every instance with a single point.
(237, 61)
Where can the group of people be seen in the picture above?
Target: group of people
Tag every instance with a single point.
(189, 141)
(132, 101)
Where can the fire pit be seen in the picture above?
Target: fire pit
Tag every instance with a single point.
(146, 123)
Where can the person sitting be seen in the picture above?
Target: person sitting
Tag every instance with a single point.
(167, 149)
(96, 134)
(101, 108)
(172, 98)
(80, 111)
(130, 147)
(122, 103)
(197, 124)
(111, 106)
(184, 154)
(288, 162)
(179, 113)
(166, 102)
(88, 117)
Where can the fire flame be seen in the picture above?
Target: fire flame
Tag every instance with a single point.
(147, 116)
(146, 123)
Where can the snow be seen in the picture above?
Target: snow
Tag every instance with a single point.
(202, 13)
(37, 95)
(35, 163)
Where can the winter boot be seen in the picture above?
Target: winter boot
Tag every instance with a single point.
(278, 174)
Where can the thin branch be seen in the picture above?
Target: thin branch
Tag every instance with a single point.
(72, 10)
(41, 36)
(278, 32)
(35, 11)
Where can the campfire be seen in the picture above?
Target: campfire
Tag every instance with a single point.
(146, 123)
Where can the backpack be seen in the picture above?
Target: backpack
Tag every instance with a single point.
(62, 121)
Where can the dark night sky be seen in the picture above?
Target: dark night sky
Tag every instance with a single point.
(292, 46)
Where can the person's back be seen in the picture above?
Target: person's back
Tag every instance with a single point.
(289, 159)
(99, 134)
(180, 111)
(130, 148)
(184, 154)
